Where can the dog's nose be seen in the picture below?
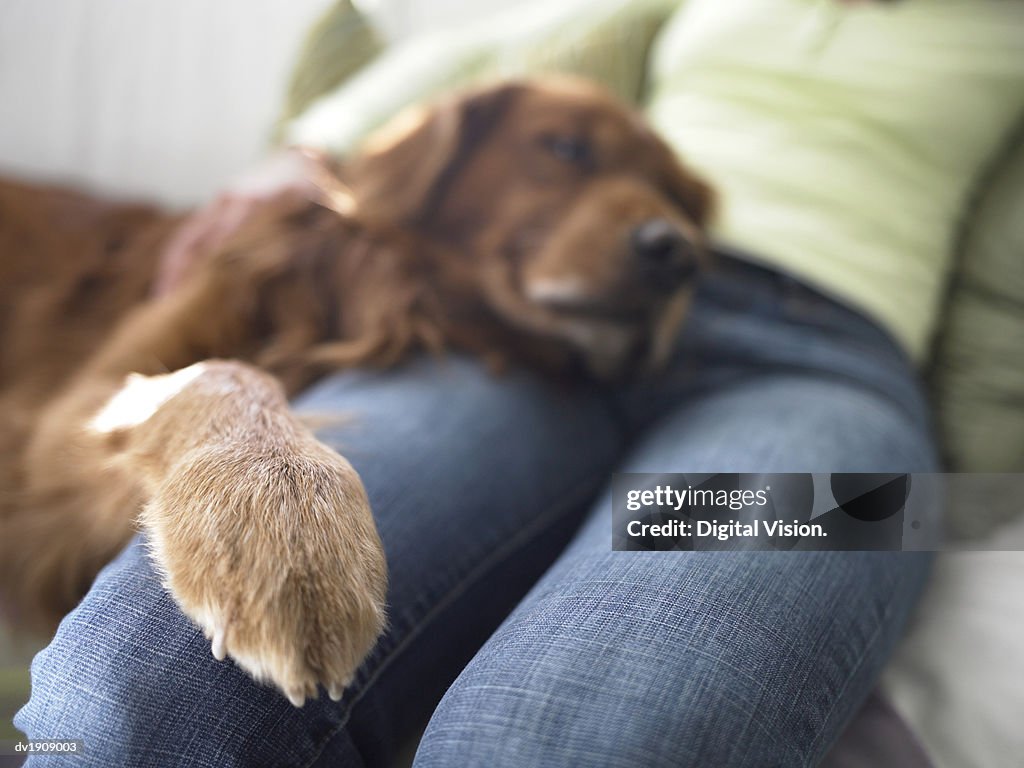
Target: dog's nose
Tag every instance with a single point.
(666, 255)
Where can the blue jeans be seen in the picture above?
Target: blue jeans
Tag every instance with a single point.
(513, 628)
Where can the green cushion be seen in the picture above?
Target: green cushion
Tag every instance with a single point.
(339, 44)
(978, 368)
(611, 47)
(605, 40)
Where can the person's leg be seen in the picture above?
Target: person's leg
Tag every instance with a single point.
(477, 483)
(638, 659)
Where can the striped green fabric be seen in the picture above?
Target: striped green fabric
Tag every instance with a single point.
(844, 140)
(978, 370)
(604, 40)
(611, 49)
(340, 43)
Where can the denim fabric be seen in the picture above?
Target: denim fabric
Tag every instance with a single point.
(491, 497)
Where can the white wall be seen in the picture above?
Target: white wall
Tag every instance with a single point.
(401, 18)
(160, 99)
(155, 98)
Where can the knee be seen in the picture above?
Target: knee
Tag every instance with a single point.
(618, 676)
(725, 660)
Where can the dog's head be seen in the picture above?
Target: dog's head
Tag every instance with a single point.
(565, 212)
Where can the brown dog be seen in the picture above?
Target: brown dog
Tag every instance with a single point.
(532, 223)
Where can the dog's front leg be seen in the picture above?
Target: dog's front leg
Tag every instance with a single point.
(264, 535)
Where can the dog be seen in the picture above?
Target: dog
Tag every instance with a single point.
(533, 223)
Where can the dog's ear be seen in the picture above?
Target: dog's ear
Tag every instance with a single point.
(405, 168)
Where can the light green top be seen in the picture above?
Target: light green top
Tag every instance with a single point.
(845, 140)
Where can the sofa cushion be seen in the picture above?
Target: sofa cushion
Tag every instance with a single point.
(978, 365)
(606, 40)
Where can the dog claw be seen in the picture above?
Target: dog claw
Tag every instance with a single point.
(335, 691)
(296, 698)
(219, 652)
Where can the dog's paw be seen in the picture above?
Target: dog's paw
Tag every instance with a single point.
(277, 558)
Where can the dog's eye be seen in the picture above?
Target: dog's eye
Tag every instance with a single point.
(569, 149)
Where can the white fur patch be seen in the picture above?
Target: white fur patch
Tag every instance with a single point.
(140, 397)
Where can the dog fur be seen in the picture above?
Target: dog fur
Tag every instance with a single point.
(496, 222)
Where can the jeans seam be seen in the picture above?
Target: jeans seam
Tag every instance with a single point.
(524, 535)
(846, 684)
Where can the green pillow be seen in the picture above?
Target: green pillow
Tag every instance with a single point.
(604, 40)
(610, 47)
(339, 44)
(978, 368)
